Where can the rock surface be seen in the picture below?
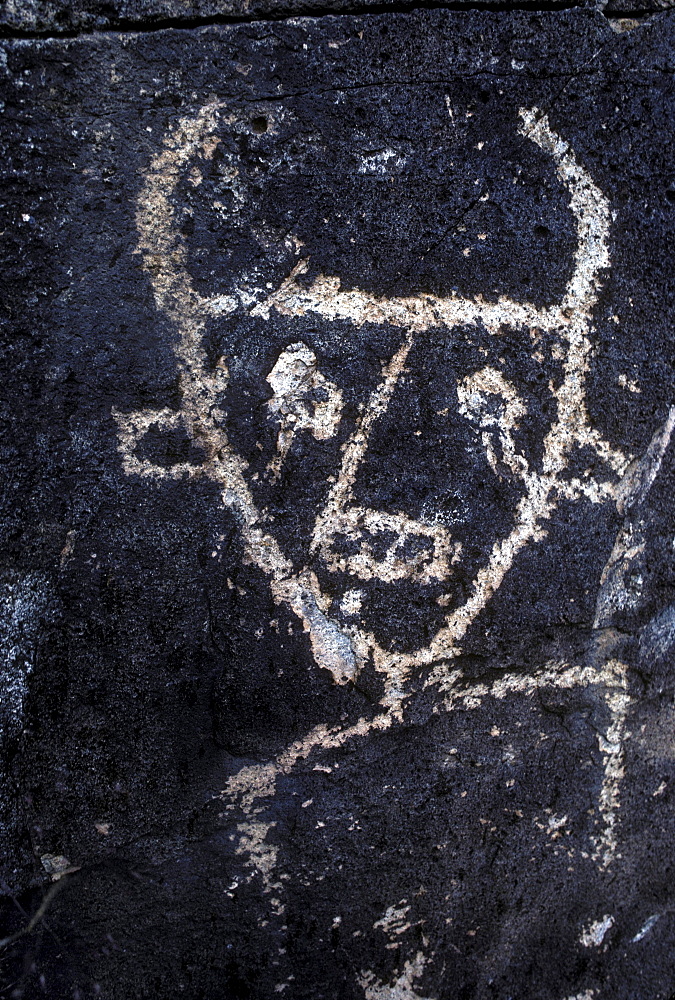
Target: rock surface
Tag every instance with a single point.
(59, 16)
(54, 17)
(338, 581)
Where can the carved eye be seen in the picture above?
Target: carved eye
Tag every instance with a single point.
(488, 399)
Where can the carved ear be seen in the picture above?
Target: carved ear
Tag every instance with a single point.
(133, 427)
(491, 403)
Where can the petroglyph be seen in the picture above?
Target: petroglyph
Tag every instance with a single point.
(473, 394)
(331, 648)
(342, 516)
(344, 650)
(304, 400)
(251, 787)
(594, 935)
(395, 922)
(262, 857)
(401, 989)
(620, 587)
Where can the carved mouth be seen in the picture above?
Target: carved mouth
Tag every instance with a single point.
(371, 544)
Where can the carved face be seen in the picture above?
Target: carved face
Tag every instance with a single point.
(388, 439)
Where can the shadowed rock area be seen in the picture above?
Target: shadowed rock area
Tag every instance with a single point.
(337, 595)
(59, 16)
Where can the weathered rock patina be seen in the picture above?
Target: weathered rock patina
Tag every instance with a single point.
(64, 16)
(338, 544)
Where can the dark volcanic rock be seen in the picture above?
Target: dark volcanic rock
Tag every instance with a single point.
(60, 16)
(635, 7)
(338, 580)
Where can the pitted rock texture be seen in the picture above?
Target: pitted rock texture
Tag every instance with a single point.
(636, 8)
(63, 16)
(338, 575)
